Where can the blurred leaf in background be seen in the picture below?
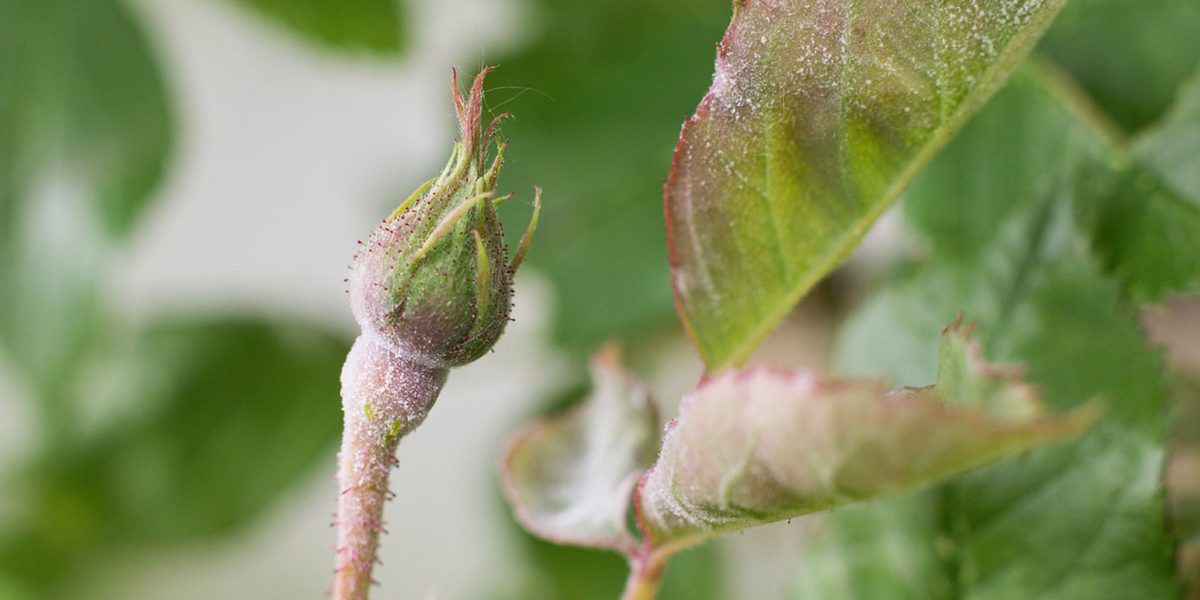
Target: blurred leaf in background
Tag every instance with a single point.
(81, 87)
(214, 419)
(377, 26)
(1144, 216)
(85, 132)
(1129, 56)
(202, 424)
(893, 549)
(1079, 521)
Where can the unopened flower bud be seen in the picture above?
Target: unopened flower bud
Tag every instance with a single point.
(431, 289)
(434, 282)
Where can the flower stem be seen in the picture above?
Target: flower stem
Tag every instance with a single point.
(384, 396)
(644, 579)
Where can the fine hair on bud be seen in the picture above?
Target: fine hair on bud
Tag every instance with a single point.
(433, 282)
(432, 289)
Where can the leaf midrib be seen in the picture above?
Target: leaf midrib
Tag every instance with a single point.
(845, 243)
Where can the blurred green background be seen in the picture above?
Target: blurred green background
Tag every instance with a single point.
(182, 183)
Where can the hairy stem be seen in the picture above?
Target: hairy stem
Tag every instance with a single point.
(384, 396)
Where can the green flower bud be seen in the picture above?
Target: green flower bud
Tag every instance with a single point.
(433, 282)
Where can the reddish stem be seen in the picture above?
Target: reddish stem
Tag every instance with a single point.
(384, 396)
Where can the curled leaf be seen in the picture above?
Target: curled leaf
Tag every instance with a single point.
(570, 478)
(756, 446)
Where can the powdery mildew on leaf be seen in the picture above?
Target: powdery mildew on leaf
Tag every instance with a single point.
(755, 446)
(570, 478)
(819, 113)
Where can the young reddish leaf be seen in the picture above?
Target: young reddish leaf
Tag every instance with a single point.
(569, 478)
(755, 446)
(819, 113)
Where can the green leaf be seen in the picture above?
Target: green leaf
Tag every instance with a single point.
(609, 81)
(570, 478)
(9, 590)
(1009, 156)
(1129, 56)
(887, 550)
(1147, 234)
(1172, 147)
(218, 418)
(85, 130)
(371, 25)
(1140, 202)
(756, 446)
(79, 87)
(819, 114)
(1080, 520)
(1084, 520)
(1144, 212)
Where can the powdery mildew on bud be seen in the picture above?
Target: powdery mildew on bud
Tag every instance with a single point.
(420, 281)
(384, 396)
(432, 289)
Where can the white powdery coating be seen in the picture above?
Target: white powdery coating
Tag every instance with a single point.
(570, 477)
(864, 55)
(755, 445)
(819, 112)
(384, 396)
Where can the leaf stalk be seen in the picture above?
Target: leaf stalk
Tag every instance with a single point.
(645, 577)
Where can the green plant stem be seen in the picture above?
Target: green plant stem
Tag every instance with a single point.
(644, 578)
(384, 396)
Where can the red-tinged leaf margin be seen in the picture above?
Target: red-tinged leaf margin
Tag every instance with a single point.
(980, 90)
(1039, 426)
